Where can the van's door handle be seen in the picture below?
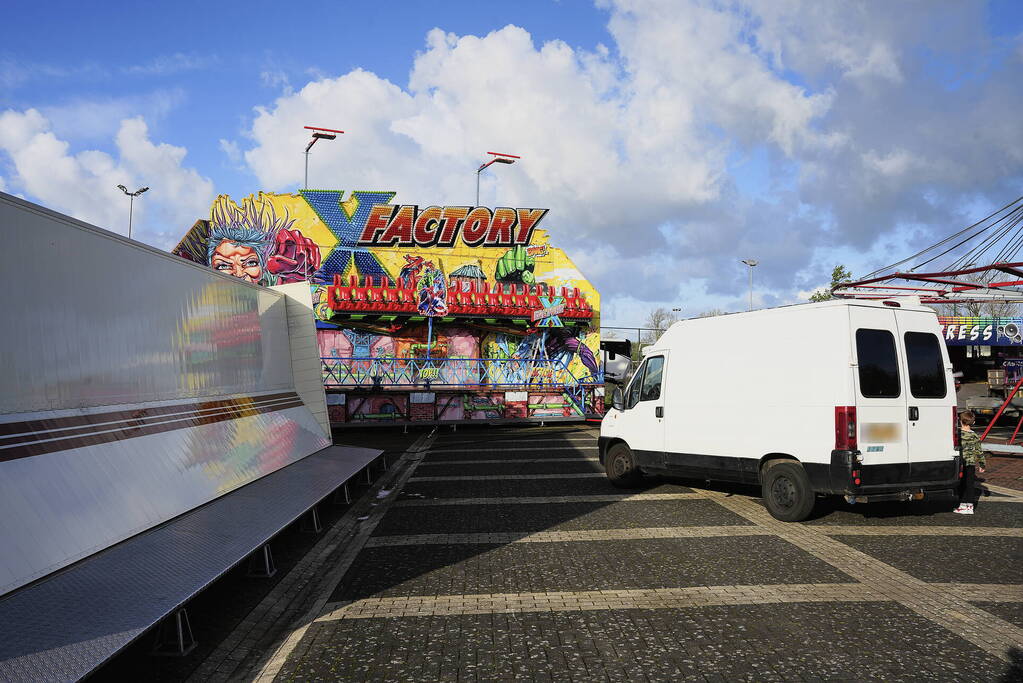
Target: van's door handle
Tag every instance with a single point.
(914, 413)
(659, 411)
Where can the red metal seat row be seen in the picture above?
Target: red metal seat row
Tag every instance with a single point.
(506, 300)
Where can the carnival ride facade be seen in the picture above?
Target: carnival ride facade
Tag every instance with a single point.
(439, 313)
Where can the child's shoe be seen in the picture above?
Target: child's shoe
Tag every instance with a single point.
(964, 509)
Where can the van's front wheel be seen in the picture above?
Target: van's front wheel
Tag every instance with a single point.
(621, 468)
(786, 491)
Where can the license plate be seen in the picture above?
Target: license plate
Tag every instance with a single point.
(882, 432)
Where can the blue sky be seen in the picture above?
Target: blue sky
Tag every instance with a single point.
(670, 139)
(197, 69)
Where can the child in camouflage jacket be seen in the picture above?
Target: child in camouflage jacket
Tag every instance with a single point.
(973, 462)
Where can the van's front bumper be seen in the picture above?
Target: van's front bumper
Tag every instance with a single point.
(901, 481)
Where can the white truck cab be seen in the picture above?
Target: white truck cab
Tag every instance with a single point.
(845, 397)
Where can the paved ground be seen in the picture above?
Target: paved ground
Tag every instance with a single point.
(504, 554)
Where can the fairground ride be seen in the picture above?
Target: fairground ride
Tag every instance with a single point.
(978, 264)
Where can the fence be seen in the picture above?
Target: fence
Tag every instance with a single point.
(453, 372)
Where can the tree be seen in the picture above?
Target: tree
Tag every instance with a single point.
(977, 309)
(839, 275)
(711, 313)
(659, 320)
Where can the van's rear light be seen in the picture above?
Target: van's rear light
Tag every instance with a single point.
(955, 427)
(893, 304)
(845, 428)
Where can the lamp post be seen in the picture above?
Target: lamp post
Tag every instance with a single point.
(131, 202)
(318, 134)
(752, 264)
(499, 158)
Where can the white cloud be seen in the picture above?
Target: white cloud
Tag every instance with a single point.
(170, 64)
(14, 73)
(84, 184)
(276, 79)
(91, 119)
(231, 151)
(631, 148)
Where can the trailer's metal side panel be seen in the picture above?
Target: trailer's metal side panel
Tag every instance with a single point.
(135, 386)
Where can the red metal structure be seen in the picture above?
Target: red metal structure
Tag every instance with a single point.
(996, 240)
(476, 300)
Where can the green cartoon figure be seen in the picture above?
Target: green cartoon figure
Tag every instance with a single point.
(515, 266)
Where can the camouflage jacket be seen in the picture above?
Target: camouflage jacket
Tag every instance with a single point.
(973, 454)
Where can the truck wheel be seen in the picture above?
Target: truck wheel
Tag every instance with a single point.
(787, 493)
(621, 468)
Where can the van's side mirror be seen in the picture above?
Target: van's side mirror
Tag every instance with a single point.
(618, 399)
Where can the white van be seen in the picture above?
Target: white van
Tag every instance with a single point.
(846, 397)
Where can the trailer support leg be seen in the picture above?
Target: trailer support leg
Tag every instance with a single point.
(261, 563)
(174, 636)
(311, 522)
(341, 495)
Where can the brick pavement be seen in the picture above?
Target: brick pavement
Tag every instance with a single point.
(583, 587)
(1005, 471)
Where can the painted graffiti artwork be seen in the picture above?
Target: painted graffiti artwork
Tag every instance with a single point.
(470, 305)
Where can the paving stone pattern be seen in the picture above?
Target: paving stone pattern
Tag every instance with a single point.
(611, 565)
(491, 467)
(803, 641)
(526, 570)
(978, 559)
(555, 517)
(415, 500)
(989, 514)
(1009, 611)
(509, 488)
(1005, 471)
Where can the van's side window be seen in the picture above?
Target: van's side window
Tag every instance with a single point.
(926, 369)
(878, 364)
(652, 379)
(637, 382)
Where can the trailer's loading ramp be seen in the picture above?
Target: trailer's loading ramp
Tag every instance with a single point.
(65, 626)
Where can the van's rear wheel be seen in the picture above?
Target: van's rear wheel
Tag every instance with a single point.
(621, 468)
(787, 493)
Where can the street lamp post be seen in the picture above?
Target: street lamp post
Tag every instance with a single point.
(751, 263)
(499, 158)
(131, 202)
(318, 134)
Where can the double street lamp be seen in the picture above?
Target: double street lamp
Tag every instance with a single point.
(131, 202)
(318, 134)
(499, 158)
(752, 264)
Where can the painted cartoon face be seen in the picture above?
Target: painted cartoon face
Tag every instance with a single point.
(240, 261)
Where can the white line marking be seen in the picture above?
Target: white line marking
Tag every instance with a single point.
(495, 477)
(429, 463)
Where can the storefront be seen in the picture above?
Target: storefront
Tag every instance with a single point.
(439, 313)
(978, 344)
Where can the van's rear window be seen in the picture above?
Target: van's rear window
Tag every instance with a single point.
(926, 369)
(878, 363)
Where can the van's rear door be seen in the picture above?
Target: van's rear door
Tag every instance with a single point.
(930, 397)
(881, 406)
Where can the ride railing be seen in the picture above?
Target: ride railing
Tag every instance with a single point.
(452, 372)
